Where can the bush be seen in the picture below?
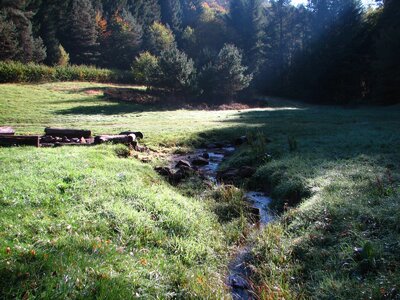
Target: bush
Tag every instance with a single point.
(16, 72)
(160, 38)
(145, 68)
(226, 75)
(178, 72)
(64, 57)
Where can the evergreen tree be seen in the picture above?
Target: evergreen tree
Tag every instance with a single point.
(171, 14)
(48, 22)
(79, 33)
(38, 50)
(146, 12)
(247, 18)
(191, 10)
(177, 70)
(226, 76)
(160, 38)
(145, 68)
(120, 40)
(9, 45)
(19, 13)
(279, 40)
(387, 48)
(331, 67)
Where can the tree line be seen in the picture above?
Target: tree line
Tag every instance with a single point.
(328, 51)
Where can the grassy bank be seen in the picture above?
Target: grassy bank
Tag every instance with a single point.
(333, 172)
(83, 223)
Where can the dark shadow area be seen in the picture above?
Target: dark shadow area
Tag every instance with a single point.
(110, 109)
(305, 144)
(95, 99)
(131, 100)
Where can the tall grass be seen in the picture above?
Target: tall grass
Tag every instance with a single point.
(17, 72)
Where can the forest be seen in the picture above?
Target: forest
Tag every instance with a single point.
(335, 51)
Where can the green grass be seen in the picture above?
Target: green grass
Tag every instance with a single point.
(336, 168)
(82, 223)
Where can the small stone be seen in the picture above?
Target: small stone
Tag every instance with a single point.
(238, 282)
(205, 155)
(183, 162)
(200, 161)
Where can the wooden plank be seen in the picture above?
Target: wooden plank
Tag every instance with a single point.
(19, 140)
(69, 133)
(7, 131)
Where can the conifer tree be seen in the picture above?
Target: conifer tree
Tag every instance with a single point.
(226, 76)
(171, 14)
(247, 18)
(387, 48)
(160, 38)
(19, 13)
(79, 33)
(191, 11)
(177, 70)
(120, 40)
(9, 46)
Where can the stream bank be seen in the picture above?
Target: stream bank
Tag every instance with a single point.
(205, 162)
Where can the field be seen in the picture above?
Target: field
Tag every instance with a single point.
(84, 223)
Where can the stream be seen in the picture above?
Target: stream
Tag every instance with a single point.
(238, 269)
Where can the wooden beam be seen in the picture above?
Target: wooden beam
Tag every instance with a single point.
(19, 140)
(69, 133)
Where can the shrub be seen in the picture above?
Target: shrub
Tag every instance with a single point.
(177, 70)
(64, 57)
(160, 38)
(225, 77)
(145, 68)
(17, 72)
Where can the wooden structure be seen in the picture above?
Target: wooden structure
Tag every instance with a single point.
(69, 133)
(20, 140)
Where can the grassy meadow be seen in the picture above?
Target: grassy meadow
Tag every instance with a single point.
(83, 223)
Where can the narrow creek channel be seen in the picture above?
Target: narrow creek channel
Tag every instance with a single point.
(238, 269)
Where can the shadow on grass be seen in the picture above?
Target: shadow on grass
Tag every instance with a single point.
(111, 108)
(137, 99)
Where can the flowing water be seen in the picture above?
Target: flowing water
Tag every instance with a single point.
(239, 270)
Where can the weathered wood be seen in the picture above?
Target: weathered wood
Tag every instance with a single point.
(138, 134)
(7, 131)
(69, 133)
(115, 139)
(19, 140)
